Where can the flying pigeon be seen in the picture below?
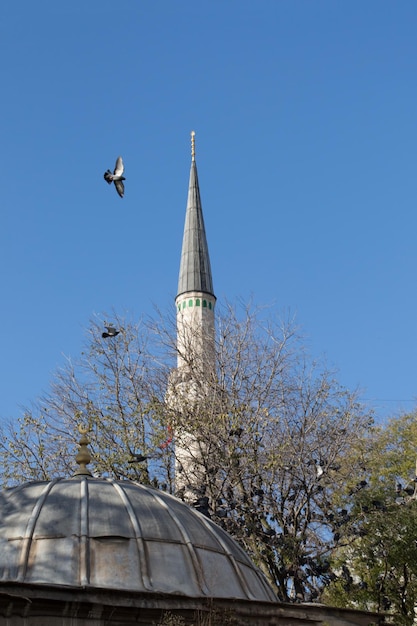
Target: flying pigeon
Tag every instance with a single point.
(117, 177)
(111, 332)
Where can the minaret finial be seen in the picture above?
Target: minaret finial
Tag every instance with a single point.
(193, 145)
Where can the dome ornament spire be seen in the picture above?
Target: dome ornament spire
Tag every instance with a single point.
(83, 457)
(193, 145)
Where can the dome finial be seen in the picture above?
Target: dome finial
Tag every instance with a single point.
(193, 145)
(83, 457)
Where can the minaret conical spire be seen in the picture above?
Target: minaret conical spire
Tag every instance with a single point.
(195, 271)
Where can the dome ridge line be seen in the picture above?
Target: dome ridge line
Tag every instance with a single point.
(191, 550)
(30, 527)
(84, 538)
(144, 569)
(232, 559)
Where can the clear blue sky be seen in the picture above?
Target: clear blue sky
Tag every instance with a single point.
(306, 120)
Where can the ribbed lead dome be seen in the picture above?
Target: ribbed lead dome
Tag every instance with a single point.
(98, 533)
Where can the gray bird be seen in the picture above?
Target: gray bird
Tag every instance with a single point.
(111, 332)
(117, 177)
(138, 458)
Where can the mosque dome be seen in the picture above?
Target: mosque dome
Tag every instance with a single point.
(96, 533)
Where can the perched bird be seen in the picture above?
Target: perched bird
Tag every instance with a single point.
(111, 332)
(138, 458)
(180, 493)
(361, 485)
(319, 466)
(117, 177)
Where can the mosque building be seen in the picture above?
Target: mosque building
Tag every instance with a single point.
(88, 551)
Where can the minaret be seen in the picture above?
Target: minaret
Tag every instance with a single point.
(195, 304)
(195, 300)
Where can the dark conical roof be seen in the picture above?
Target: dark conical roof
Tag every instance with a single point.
(195, 270)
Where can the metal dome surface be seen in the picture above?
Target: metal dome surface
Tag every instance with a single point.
(107, 534)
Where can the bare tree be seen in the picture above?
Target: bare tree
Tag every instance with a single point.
(114, 387)
(272, 434)
(268, 430)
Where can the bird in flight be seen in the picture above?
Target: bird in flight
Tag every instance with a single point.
(111, 332)
(117, 177)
